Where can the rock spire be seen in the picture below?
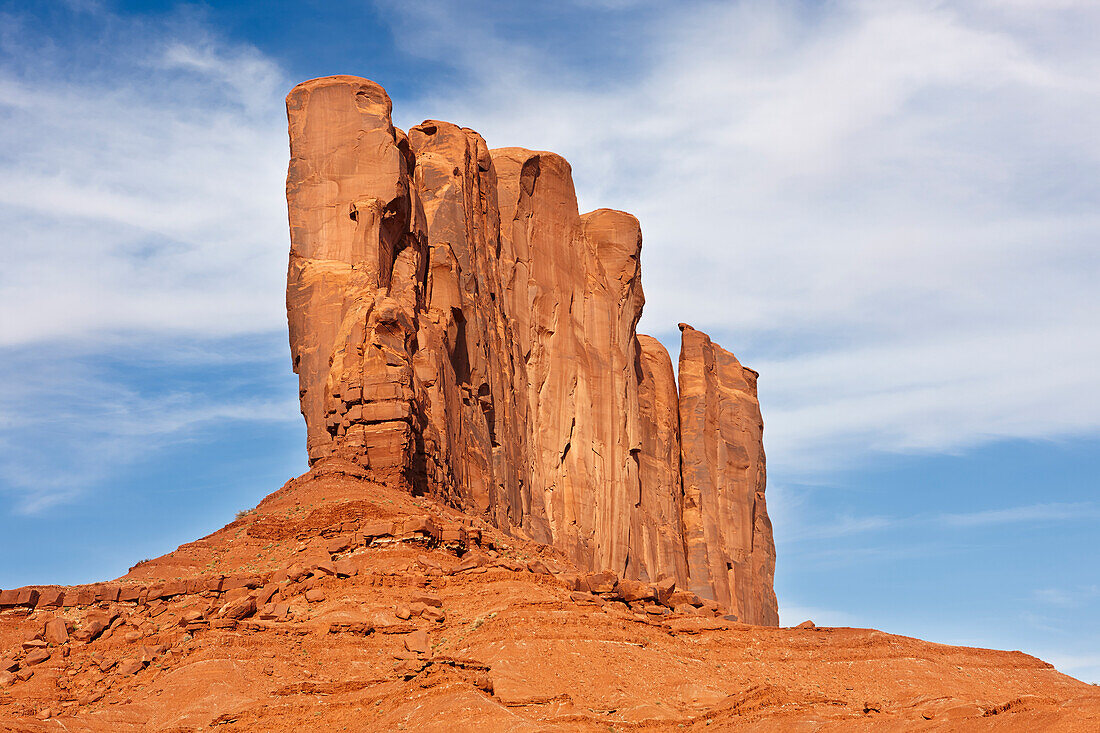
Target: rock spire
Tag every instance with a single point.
(459, 327)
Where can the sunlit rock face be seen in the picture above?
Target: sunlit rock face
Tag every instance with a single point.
(459, 327)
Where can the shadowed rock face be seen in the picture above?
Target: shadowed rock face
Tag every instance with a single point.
(459, 326)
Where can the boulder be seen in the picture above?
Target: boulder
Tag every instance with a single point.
(19, 597)
(35, 657)
(131, 593)
(423, 526)
(588, 598)
(94, 625)
(428, 599)
(108, 593)
(129, 666)
(236, 610)
(324, 567)
(55, 632)
(664, 589)
(237, 581)
(417, 642)
(604, 582)
(452, 537)
(83, 596)
(265, 594)
(472, 560)
(631, 591)
(409, 668)
(338, 545)
(684, 597)
(192, 616)
(377, 530)
(275, 611)
(538, 567)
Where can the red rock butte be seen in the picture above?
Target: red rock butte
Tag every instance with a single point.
(514, 519)
(457, 325)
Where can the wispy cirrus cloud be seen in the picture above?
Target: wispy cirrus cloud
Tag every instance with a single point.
(140, 190)
(1067, 597)
(1034, 513)
(888, 209)
(836, 527)
(892, 206)
(72, 417)
(799, 529)
(140, 197)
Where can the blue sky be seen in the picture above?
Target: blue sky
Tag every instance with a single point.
(889, 209)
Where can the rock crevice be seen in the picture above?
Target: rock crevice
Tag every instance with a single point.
(459, 326)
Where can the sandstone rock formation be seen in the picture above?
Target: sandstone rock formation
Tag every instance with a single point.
(458, 325)
(515, 519)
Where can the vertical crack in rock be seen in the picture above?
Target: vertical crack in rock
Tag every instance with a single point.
(459, 327)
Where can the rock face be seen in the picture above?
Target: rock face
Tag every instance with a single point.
(727, 533)
(459, 327)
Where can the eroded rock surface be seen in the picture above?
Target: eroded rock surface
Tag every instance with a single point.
(340, 602)
(459, 326)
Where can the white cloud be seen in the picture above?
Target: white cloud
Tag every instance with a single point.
(1067, 597)
(140, 199)
(69, 422)
(888, 209)
(142, 191)
(832, 528)
(1024, 514)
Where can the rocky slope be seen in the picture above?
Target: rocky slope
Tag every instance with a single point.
(458, 325)
(340, 603)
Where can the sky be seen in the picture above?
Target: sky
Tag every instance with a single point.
(890, 210)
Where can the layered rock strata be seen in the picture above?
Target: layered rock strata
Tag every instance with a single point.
(459, 326)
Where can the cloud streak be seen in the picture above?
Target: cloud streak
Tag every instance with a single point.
(1033, 514)
(68, 421)
(140, 190)
(821, 528)
(889, 210)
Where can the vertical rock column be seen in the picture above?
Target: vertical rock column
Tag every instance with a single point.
(573, 294)
(458, 326)
(355, 279)
(469, 363)
(657, 542)
(727, 533)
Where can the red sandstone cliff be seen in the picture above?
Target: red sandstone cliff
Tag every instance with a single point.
(457, 324)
